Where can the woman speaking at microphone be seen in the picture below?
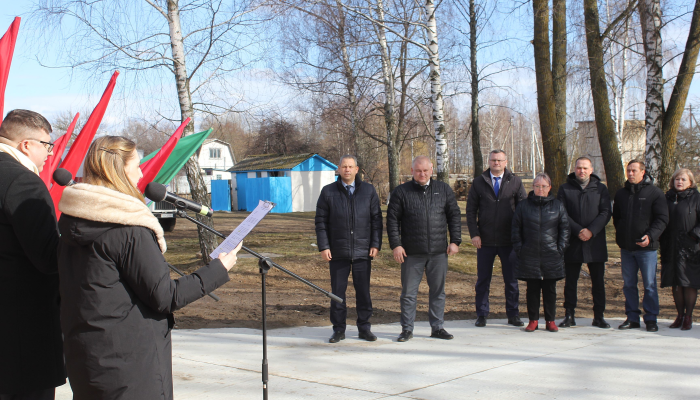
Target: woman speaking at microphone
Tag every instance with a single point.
(117, 297)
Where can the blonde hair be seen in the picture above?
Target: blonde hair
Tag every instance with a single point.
(105, 162)
(686, 171)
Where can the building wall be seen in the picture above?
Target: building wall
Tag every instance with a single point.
(306, 187)
(224, 162)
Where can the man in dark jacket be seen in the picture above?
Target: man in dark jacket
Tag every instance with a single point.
(349, 235)
(31, 348)
(640, 215)
(419, 215)
(588, 207)
(491, 203)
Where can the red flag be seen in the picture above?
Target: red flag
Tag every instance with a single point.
(7, 48)
(58, 149)
(151, 167)
(80, 146)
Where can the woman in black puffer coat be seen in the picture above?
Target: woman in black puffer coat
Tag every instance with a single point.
(680, 252)
(540, 234)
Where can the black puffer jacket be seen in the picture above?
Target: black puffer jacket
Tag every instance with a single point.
(680, 252)
(540, 235)
(348, 227)
(588, 208)
(489, 217)
(117, 297)
(418, 218)
(639, 210)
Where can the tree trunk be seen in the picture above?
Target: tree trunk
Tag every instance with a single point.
(599, 91)
(442, 155)
(198, 189)
(650, 18)
(389, 98)
(676, 104)
(559, 75)
(476, 132)
(554, 157)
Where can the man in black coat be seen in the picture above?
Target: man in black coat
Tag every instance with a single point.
(419, 215)
(588, 207)
(31, 348)
(491, 204)
(349, 235)
(640, 215)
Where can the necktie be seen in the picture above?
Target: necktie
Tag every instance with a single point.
(496, 186)
(350, 190)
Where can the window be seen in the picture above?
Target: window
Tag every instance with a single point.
(214, 153)
(218, 177)
(276, 174)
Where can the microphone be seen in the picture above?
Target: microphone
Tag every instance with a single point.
(62, 177)
(157, 192)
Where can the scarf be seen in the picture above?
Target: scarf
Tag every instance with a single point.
(19, 156)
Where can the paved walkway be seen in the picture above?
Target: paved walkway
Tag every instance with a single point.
(495, 362)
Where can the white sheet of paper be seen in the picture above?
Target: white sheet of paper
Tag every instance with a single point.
(244, 228)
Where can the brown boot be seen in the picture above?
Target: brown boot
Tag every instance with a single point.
(687, 323)
(677, 323)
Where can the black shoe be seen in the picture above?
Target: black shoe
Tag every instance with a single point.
(568, 321)
(515, 321)
(441, 334)
(652, 326)
(480, 322)
(367, 335)
(600, 323)
(629, 325)
(405, 336)
(337, 337)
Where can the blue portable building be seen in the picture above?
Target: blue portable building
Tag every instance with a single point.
(292, 181)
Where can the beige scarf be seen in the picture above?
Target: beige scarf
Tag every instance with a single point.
(101, 204)
(19, 156)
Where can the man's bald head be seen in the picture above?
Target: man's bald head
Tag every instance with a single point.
(422, 169)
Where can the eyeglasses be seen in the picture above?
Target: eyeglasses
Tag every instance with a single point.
(48, 146)
(497, 161)
(541, 187)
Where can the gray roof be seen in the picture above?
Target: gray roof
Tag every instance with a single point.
(271, 162)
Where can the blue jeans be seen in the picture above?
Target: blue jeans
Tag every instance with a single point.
(632, 263)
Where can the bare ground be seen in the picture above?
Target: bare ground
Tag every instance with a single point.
(291, 303)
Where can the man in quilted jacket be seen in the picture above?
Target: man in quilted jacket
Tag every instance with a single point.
(420, 215)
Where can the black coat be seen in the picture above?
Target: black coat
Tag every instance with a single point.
(349, 227)
(540, 236)
(31, 349)
(489, 217)
(639, 210)
(418, 219)
(680, 252)
(118, 300)
(588, 208)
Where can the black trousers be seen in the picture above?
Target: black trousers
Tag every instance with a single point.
(573, 271)
(548, 288)
(361, 271)
(485, 257)
(44, 394)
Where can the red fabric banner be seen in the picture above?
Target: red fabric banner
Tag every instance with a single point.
(80, 146)
(58, 149)
(151, 167)
(7, 48)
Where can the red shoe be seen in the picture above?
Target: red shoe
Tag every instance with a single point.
(531, 327)
(677, 323)
(687, 323)
(552, 326)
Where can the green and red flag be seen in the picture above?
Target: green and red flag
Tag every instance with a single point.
(182, 152)
(151, 167)
(59, 147)
(7, 49)
(80, 146)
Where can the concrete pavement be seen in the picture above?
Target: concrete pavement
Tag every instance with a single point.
(495, 362)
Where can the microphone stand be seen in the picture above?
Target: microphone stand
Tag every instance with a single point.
(264, 265)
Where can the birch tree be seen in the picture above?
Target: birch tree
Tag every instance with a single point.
(146, 37)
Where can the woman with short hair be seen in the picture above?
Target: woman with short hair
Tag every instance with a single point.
(680, 252)
(540, 234)
(117, 298)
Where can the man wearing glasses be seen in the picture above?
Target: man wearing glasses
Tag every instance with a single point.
(491, 204)
(31, 348)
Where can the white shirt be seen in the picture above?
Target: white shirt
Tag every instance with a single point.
(500, 178)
